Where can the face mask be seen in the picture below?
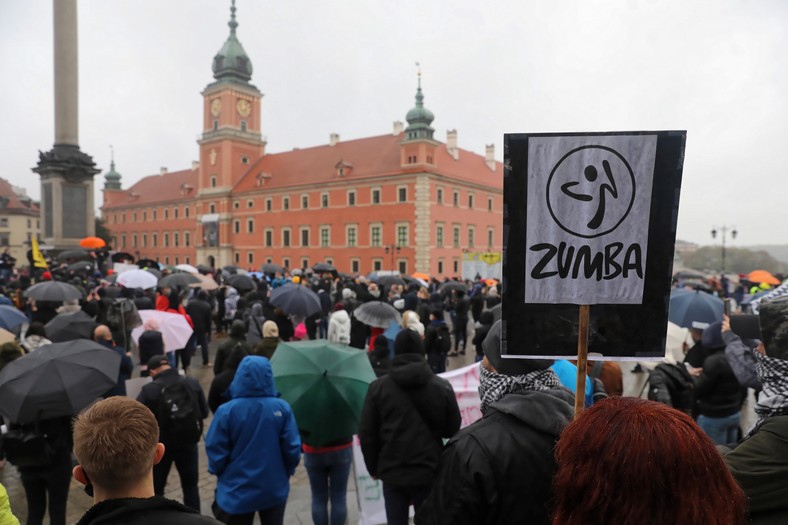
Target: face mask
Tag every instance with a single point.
(375, 293)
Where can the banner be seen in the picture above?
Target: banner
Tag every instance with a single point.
(38, 257)
(589, 219)
(371, 505)
(487, 265)
(210, 230)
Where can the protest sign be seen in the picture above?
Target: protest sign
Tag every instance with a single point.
(589, 219)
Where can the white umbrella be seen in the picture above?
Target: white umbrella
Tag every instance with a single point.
(207, 282)
(174, 328)
(137, 279)
(188, 268)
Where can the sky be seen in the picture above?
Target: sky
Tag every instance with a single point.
(716, 68)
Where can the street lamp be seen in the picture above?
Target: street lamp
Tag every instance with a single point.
(724, 230)
(391, 249)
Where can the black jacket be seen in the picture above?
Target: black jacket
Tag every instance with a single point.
(717, 391)
(201, 314)
(150, 395)
(500, 469)
(405, 415)
(142, 511)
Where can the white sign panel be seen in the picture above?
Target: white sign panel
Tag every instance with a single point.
(587, 218)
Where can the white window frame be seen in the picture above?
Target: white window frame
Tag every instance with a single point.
(354, 228)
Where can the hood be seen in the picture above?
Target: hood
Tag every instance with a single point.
(254, 378)
(341, 317)
(545, 410)
(487, 317)
(270, 329)
(238, 329)
(410, 371)
(257, 310)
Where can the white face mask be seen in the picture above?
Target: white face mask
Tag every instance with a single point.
(374, 293)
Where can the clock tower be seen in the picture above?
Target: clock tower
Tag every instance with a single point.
(231, 142)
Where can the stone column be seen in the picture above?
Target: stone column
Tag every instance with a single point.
(66, 73)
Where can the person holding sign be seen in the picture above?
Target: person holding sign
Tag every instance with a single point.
(500, 468)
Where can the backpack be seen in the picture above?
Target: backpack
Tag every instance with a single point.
(179, 415)
(442, 340)
(27, 446)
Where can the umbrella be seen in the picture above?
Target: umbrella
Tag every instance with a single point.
(232, 270)
(296, 300)
(188, 268)
(325, 384)
(67, 327)
(206, 282)
(53, 291)
(272, 268)
(450, 286)
(324, 267)
(74, 255)
(201, 268)
(122, 256)
(154, 271)
(92, 243)
(137, 279)
(762, 276)
(174, 328)
(377, 313)
(421, 275)
(6, 336)
(242, 283)
(678, 276)
(178, 280)
(497, 312)
(694, 309)
(148, 263)
(57, 380)
(388, 280)
(10, 317)
(391, 334)
(81, 267)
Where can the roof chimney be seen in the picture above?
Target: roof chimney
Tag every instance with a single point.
(195, 164)
(399, 127)
(489, 156)
(451, 144)
(163, 170)
(333, 139)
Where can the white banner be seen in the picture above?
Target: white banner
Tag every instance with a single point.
(371, 506)
(587, 218)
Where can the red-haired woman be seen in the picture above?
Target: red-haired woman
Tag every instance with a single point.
(631, 461)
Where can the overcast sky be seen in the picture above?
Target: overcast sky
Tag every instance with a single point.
(717, 68)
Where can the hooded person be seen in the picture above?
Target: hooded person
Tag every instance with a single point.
(524, 408)
(254, 319)
(339, 325)
(267, 346)
(760, 462)
(405, 417)
(253, 447)
(237, 338)
(379, 356)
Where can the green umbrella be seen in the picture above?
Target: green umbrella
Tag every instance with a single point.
(326, 384)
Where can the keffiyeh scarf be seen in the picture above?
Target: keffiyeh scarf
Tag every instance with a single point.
(493, 386)
(773, 399)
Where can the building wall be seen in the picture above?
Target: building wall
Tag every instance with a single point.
(16, 231)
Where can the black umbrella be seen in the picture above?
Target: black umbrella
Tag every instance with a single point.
(57, 380)
(203, 269)
(324, 267)
(388, 280)
(73, 255)
(148, 263)
(122, 256)
(242, 283)
(154, 271)
(296, 300)
(232, 270)
(178, 280)
(82, 267)
(450, 286)
(272, 268)
(377, 313)
(53, 291)
(67, 327)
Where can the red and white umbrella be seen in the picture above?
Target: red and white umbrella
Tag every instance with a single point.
(174, 328)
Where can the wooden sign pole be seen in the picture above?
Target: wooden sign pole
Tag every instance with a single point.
(582, 357)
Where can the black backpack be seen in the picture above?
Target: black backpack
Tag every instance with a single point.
(27, 446)
(442, 340)
(179, 417)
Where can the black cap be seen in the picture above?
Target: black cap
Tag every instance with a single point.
(509, 366)
(747, 326)
(157, 361)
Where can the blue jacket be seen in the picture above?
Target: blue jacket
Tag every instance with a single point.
(253, 444)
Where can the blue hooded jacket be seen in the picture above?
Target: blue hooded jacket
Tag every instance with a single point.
(253, 444)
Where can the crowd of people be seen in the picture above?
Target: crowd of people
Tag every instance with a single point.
(681, 456)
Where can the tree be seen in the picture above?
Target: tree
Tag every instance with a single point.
(102, 232)
(737, 260)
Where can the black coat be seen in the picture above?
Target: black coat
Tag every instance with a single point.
(405, 415)
(717, 391)
(500, 469)
(142, 511)
(201, 314)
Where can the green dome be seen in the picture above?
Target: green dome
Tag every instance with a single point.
(112, 178)
(419, 116)
(232, 62)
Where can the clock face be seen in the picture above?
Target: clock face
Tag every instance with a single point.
(216, 107)
(244, 107)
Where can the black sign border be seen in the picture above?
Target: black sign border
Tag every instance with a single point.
(617, 331)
